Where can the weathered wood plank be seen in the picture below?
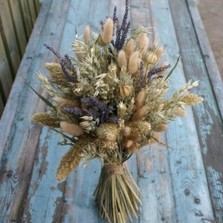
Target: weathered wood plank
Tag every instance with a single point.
(26, 17)
(31, 6)
(8, 36)
(5, 77)
(18, 25)
(19, 138)
(154, 176)
(207, 116)
(188, 175)
(1, 105)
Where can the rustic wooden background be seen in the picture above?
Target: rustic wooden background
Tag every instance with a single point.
(180, 183)
(17, 18)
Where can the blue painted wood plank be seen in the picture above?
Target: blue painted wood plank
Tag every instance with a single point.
(186, 164)
(207, 116)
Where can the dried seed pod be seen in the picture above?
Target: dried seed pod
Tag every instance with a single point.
(87, 34)
(192, 99)
(46, 119)
(79, 52)
(139, 127)
(138, 115)
(134, 148)
(65, 101)
(151, 58)
(128, 143)
(160, 128)
(130, 48)
(71, 128)
(121, 110)
(159, 52)
(125, 90)
(122, 61)
(133, 63)
(140, 98)
(107, 32)
(127, 131)
(143, 41)
(179, 111)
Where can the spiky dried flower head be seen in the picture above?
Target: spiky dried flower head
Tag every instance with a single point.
(71, 128)
(139, 127)
(108, 144)
(46, 119)
(122, 60)
(79, 50)
(72, 158)
(108, 131)
(107, 32)
(87, 34)
(192, 99)
(133, 65)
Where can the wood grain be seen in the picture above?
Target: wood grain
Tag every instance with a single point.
(179, 181)
(207, 116)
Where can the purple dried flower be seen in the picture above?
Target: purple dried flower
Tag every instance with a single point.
(66, 65)
(97, 109)
(142, 80)
(157, 70)
(77, 112)
(121, 32)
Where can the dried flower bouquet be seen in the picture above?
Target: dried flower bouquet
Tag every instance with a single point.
(108, 102)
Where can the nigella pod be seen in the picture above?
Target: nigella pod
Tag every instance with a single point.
(107, 32)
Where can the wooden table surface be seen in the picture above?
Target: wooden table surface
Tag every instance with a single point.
(180, 183)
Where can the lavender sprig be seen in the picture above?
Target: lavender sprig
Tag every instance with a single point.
(121, 32)
(66, 65)
(157, 70)
(77, 112)
(98, 109)
(142, 79)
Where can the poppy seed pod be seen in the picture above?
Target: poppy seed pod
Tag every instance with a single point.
(125, 90)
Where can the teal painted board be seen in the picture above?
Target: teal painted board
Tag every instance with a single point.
(18, 25)
(172, 178)
(207, 116)
(19, 139)
(9, 38)
(187, 170)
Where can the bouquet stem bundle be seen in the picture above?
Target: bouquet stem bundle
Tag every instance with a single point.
(117, 194)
